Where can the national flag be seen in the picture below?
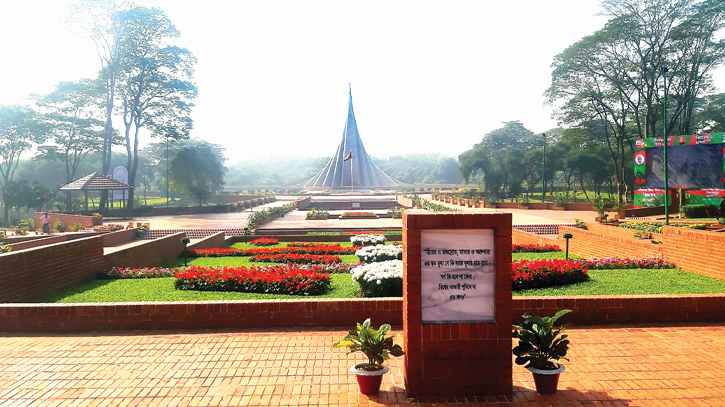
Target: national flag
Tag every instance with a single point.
(349, 156)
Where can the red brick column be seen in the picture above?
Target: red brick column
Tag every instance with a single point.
(448, 359)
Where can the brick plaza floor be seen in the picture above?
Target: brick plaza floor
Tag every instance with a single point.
(609, 366)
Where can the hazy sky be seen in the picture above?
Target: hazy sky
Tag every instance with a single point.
(427, 77)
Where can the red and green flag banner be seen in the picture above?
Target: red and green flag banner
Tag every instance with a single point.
(707, 196)
(348, 156)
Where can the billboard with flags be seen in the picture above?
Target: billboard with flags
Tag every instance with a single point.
(695, 163)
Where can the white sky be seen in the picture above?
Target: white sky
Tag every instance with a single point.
(427, 77)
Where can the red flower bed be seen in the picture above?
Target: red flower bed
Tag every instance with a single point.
(310, 244)
(319, 250)
(358, 215)
(534, 248)
(625, 263)
(546, 273)
(297, 258)
(263, 241)
(267, 280)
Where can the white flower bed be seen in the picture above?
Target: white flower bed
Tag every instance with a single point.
(383, 279)
(367, 240)
(381, 252)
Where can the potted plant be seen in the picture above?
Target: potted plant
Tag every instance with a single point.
(540, 346)
(377, 347)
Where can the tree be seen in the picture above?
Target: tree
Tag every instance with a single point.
(19, 131)
(70, 113)
(198, 169)
(155, 83)
(102, 21)
(500, 158)
(611, 81)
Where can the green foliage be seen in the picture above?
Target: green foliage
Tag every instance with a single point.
(76, 227)
(198, 169)
(560, 200)
(656, 227)
(162, 289)
(318, 214)
(59, 226)
(700, 211)
(395, 212)
(4, 248)
(374, 344)
(540, 342)
(599, 204)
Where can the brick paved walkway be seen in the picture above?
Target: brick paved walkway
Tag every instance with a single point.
(612, 366)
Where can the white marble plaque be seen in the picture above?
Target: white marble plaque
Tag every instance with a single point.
(457, 275)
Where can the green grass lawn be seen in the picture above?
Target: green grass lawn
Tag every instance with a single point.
(602, 282)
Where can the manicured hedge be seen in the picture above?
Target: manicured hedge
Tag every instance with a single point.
(267, 280)
(546, 273)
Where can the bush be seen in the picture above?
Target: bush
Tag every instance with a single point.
(546, 273)
(381, 252)
(264, 242)
(534, 248)
(59, 226)
(700, 211)
(656, 227)
(267, 280)
(297, 258)
(317, 214)
(146, 272)
(367, 240)
(76, 227)
(395, 212)
(384, 279)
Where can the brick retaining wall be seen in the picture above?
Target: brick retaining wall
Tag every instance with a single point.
(588, 310)
(521, 237)
(30, 274)
(119, 237)
(210, 242)
(28, 244)
(150, 253)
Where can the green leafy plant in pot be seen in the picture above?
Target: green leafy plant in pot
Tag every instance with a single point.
(377, 347)
(541, 345)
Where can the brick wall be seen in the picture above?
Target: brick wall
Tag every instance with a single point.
(147, 254)
(608, 243)
(697, 251)
(209, 242)
(588, 310)
(68, 220)
(521, 237)
(27, 275)
(119, 237)
(38, 242)
(404, 201)
(198, 315)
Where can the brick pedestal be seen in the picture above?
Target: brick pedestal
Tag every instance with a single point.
(449, 359)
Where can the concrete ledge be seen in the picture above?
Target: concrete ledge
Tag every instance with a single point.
(589, 310)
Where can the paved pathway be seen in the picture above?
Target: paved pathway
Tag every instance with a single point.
(612, 366)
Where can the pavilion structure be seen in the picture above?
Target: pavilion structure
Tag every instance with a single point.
(351, 168)
(95, 182)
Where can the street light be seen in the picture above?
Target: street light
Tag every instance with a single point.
(664, 131)
(167, 170)
(543, 172)
(567, 236)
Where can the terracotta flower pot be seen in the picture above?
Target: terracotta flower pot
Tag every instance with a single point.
(369, 381)
(546, 380)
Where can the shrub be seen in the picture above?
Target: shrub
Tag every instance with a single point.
(358, 215)
(546, 273)
(617, 263)
(264, 242)
(76, 227)
(297, 258)
(146, 272)
(534, 248)
(367, 240)
(59, 226)
(381, 252)
(4, 248)
(656, 227)
(700, 211)
(267, 280)
(318, 214)
(395, 212)
(383, 279)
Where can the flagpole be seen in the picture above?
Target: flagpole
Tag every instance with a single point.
(352, 175)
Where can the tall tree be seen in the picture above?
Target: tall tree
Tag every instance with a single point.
(155, 84)
(71, 114)
(198, 169)
(103, 22)
(19, 132)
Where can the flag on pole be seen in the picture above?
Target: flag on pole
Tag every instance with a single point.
(349, 156)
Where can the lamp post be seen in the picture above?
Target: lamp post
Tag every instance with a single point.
(664, 132)
(567, 236)
(543, 172)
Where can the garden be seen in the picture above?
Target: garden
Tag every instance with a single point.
(367, 266)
